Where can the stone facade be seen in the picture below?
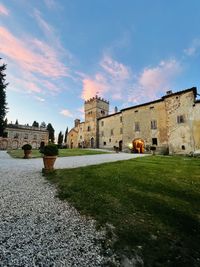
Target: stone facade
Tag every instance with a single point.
(171, 124)
(18, 135)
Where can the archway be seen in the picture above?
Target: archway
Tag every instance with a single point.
(34, 145)
(92, 142)
(15, 144)
(4, 145)
(138, 145)
(120, 145)
(71, 145)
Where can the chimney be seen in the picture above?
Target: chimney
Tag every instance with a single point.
(116, 109)
(169, 92)
(76, 122)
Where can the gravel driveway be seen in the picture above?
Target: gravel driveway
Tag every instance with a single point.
(36, 228)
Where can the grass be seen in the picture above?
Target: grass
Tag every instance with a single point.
(19, 153)
(153, 203)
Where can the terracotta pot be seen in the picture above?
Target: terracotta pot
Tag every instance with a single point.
(49, 163)
(27, 154)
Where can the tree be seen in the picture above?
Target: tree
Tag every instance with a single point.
(16, 123)
(51, 131)
(35, 124)
(43, 125)
(66, 133)
(60, 138)
(3, 103)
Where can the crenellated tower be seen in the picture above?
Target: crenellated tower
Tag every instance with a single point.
(95, 108)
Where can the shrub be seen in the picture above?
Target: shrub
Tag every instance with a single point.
(27, 147)
(50, 150)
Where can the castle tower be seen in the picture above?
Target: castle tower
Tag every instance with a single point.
(95, 108)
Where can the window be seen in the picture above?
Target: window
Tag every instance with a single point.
(120, 119)
(154, 141)
(88, 128)
(102, 112)
(183, 147)
(180, 119)
(152, 107)
(80, 136)
(121, 131)
(111, 132)
(102, 123)
(35, 137)
(104, 143)
(26, 136)
(136, 111)
(137, 126)
(154, 124)
(16, 135)
(102, 133)
(110, 140)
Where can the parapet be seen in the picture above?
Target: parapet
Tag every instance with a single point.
(96, 98)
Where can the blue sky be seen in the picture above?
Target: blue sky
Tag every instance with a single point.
(60, 53)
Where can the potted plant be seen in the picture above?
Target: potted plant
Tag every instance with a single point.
(27, 151)
(50, 152)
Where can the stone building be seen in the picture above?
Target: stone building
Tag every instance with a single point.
(18, 135)
(171, 124)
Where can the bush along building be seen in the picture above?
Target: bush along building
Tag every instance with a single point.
(18, 135)
(170, 124)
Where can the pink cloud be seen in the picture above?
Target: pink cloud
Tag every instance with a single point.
(4, 10)
(153, 81)
(92, 87)
(114, 68)
(33, 55)
(159, 78)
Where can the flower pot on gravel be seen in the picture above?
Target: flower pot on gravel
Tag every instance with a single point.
(50, 154)
(27, 151)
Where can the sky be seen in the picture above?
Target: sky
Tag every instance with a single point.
(60, 53)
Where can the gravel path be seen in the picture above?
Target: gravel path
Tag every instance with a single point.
(37, 229)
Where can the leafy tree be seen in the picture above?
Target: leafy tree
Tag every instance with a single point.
(35, 124)
(3, 103)
(60, 138)
(66, 133)
(43, 125)
(51, 132)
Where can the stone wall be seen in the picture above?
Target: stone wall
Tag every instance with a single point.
(17, 136)
(110, 131)
(171, 124)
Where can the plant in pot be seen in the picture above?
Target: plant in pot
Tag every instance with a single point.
(27, 151)
(50, 152)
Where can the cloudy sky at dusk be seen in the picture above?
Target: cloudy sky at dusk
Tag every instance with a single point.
(62, 52)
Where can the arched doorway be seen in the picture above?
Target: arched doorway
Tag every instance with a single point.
(92, 142)
(14, 144)
(34, 145)
(138, 145)
(71, 145)
(4, 145)
(120, 145)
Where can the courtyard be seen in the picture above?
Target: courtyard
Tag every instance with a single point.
(123, 209)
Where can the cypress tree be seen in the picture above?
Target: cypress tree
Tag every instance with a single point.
(3, 103)
(51, 132)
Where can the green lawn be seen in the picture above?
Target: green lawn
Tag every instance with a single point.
(19, 153)
(153, 203)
